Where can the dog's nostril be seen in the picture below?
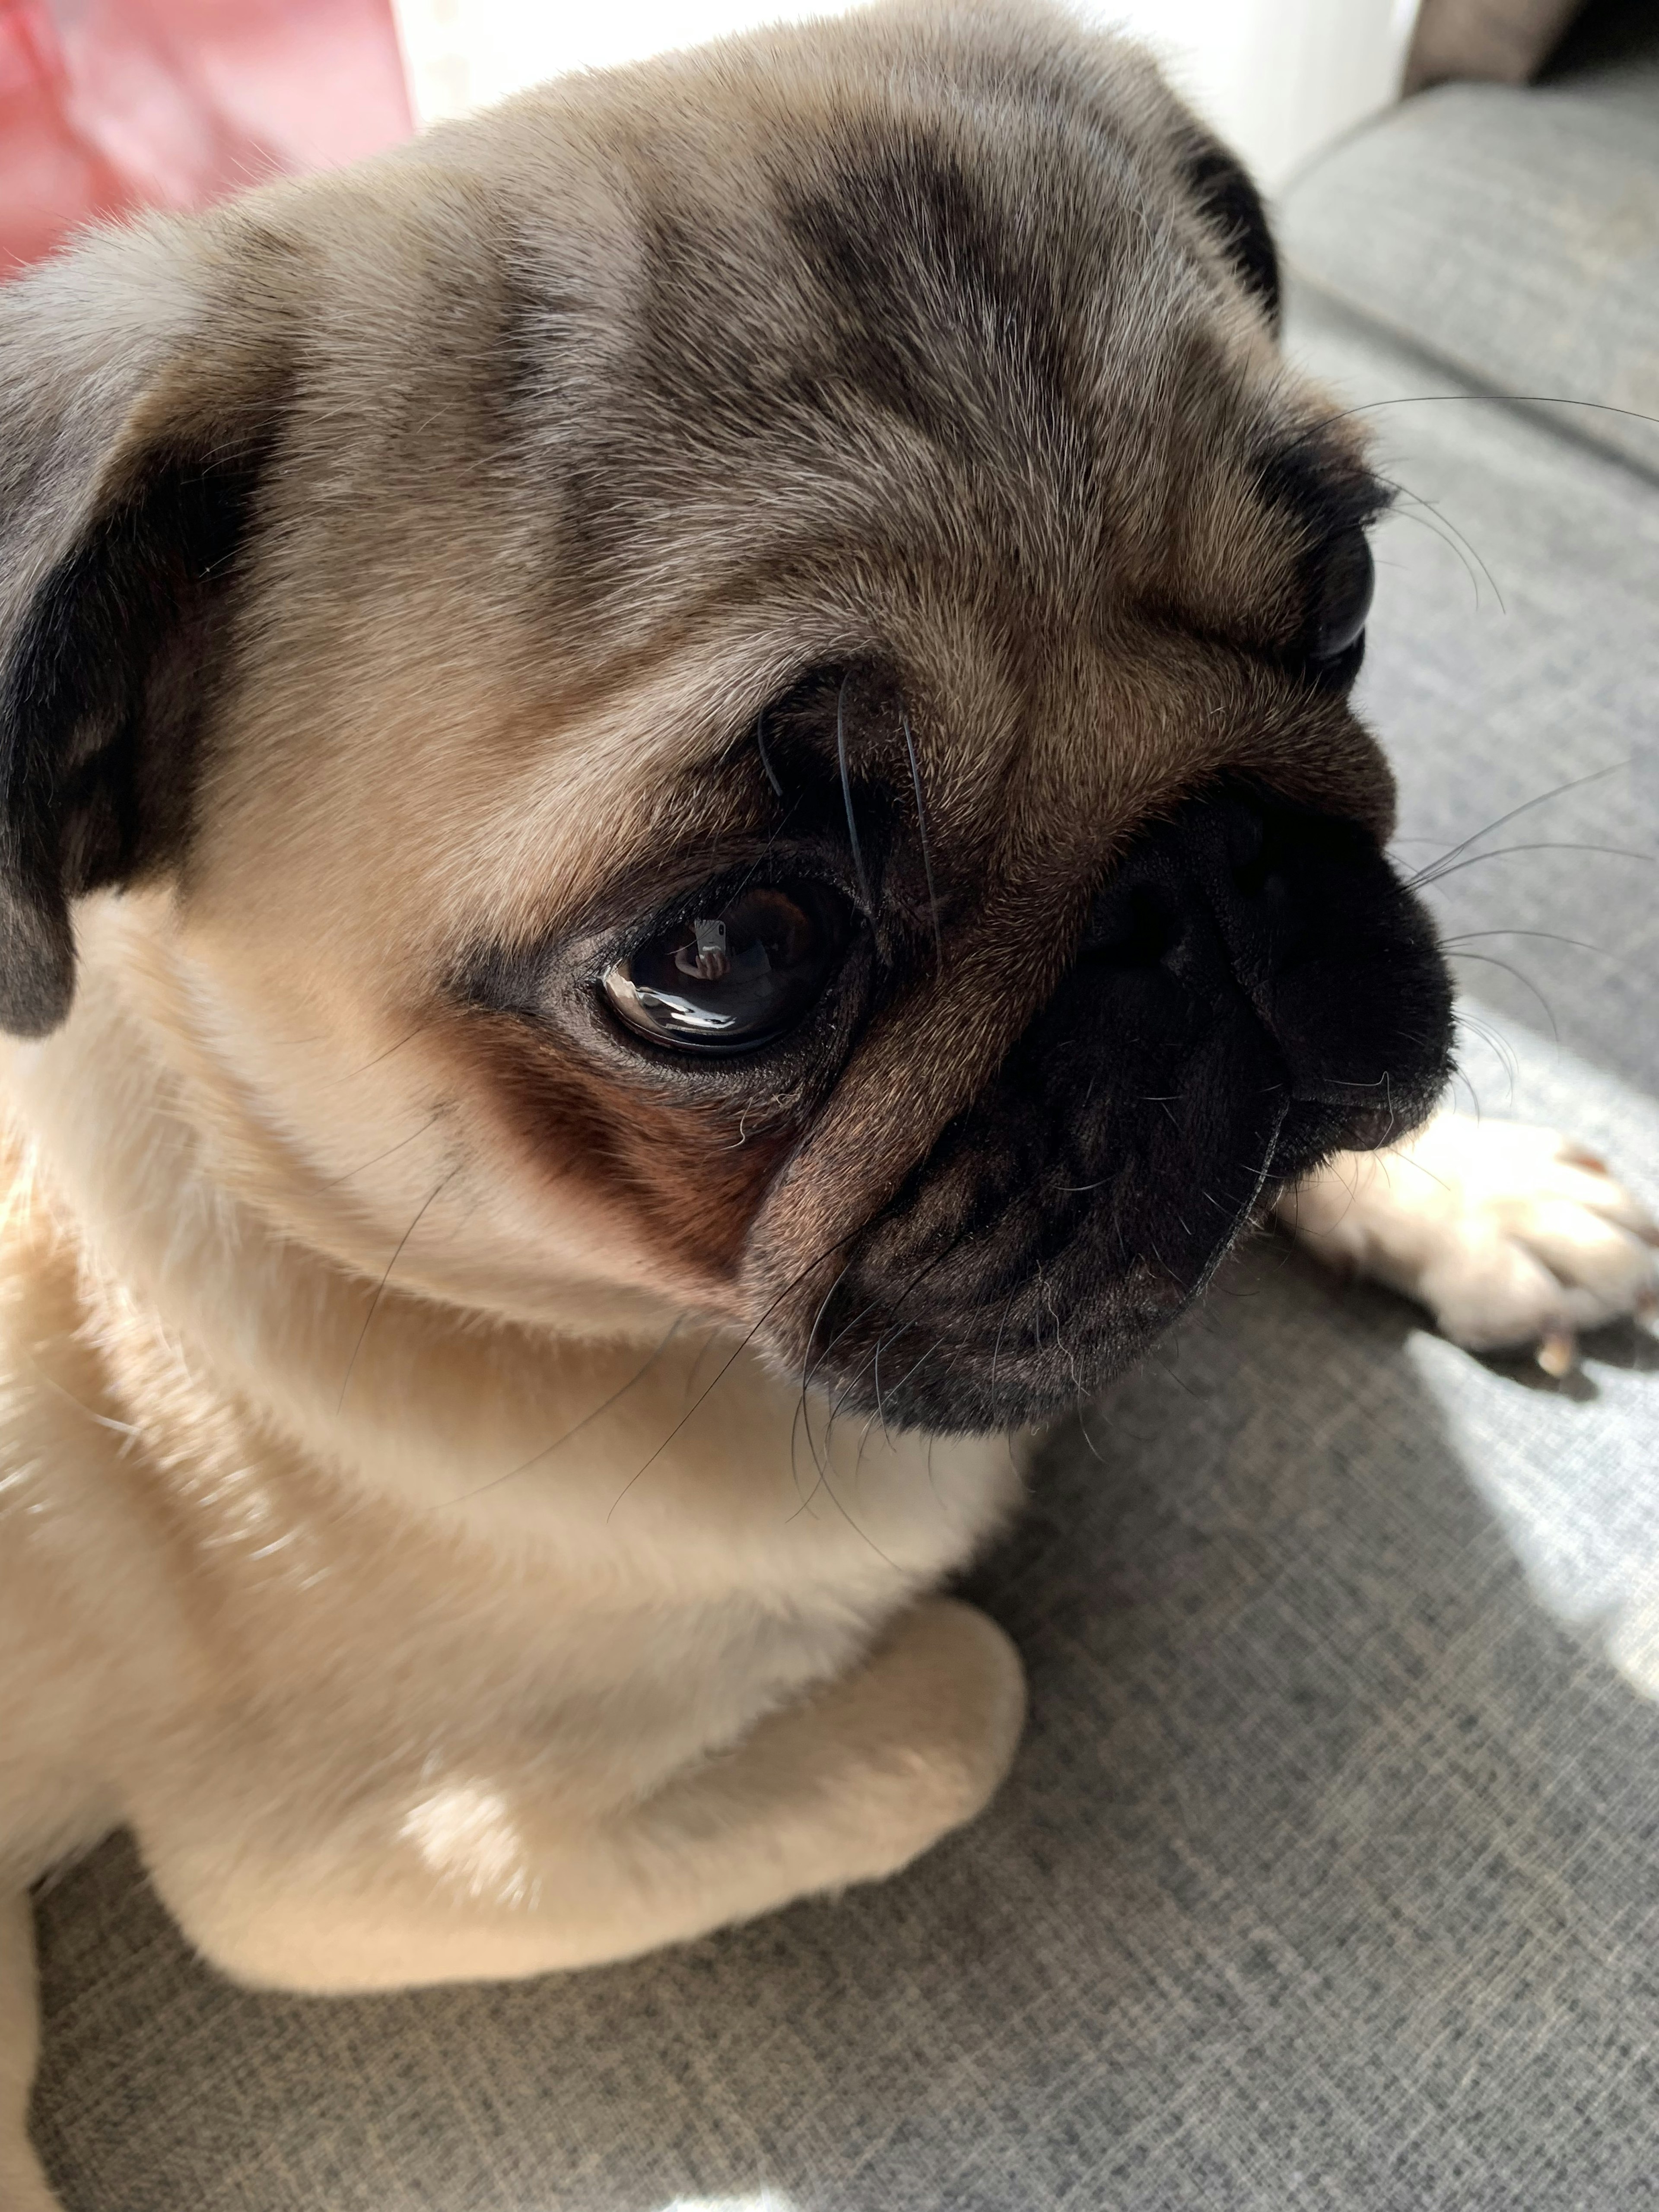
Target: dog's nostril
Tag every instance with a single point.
(1246, 836)
(1137, 929)
(1262, 876)
(1253, 849)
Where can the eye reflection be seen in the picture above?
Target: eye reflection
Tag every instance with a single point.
(736, 977)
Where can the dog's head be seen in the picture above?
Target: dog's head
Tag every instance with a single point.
(728, 689)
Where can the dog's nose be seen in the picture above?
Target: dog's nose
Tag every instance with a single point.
(1241, 894)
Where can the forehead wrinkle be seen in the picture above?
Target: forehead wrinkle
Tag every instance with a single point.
(866, 488)
(875, 523)
(684, 459)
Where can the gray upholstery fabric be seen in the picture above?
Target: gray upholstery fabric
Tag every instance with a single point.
(1328, 1876)
(1514, 647)
(1515, 235)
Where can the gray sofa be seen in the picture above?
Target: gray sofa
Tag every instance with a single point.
(1329, 1874)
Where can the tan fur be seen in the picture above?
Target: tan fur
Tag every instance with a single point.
(418, 1518)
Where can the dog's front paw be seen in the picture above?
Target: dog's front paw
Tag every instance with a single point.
(1510, 1236)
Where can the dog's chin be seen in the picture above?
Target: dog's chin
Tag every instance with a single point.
(1256, 992)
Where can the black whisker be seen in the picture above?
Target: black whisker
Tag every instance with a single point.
(1542, 799)
(1492, 399)
(739, 1349)
(933, 1350)
(334, 1182)
(1548, 936)
(1526, 982)
(408, 1037)
(897, 1300)
(921, 826)
(1501, 1047)
(863, 1534)
(1449, 535)
(1465, 398)
(764, 859)
(766, 758)
(588, 1419)
(847, 796)
(380, 1288)
(803, 1411)
(1458, 539)
(876, 1375)
(1439, 871)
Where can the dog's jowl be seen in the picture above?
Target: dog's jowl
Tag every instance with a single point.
(681, 758)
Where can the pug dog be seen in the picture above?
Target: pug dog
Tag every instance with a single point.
(681, 834)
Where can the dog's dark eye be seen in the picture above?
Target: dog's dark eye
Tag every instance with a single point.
(735, 977)
(1347, 584)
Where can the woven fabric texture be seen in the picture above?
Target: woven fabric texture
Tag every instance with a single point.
(1515, 235)
(1514, 653)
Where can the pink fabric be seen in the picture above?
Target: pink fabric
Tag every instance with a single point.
(113, 104)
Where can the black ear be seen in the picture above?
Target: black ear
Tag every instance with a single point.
(1232, 206)
(128, 478)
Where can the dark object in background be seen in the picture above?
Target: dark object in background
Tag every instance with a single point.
(1506, 40)
(111, 105)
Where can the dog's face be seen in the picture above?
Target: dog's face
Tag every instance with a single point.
(729, 688)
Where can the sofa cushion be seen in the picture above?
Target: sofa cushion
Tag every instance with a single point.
(1513, 652)
(1513, 235)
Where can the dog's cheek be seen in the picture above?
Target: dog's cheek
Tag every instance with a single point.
(682, 1181)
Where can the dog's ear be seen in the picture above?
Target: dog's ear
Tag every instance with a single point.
(1230, 203)
(135, 417)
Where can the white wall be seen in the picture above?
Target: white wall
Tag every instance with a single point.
(1278, 77)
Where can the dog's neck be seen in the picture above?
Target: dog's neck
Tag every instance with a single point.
(523, 1435)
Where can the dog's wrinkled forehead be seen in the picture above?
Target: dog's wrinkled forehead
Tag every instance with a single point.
(940, 360)
(975, 313)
